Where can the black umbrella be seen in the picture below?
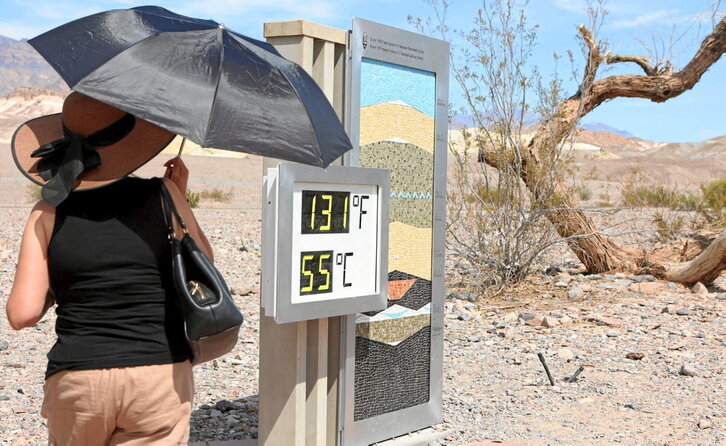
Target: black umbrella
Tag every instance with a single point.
(197, 79)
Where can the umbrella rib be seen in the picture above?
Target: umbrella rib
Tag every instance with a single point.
(115, 56)
(216, 87)
(307, 112)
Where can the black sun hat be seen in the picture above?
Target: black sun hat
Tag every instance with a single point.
(88, 145)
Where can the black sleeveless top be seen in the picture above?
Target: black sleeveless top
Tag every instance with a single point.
(110, 269)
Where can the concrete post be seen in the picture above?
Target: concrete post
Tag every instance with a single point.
(300, 362)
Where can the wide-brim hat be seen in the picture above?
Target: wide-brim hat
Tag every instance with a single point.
(85, 116)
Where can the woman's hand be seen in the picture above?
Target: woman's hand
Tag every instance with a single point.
(178, 173)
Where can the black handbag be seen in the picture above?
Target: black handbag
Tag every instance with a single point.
(211, 319)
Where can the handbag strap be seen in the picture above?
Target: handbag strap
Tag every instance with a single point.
(168, 207)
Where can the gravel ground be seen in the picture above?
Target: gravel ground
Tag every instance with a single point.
(639, 344)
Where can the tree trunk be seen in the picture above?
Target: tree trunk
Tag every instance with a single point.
(596, 251)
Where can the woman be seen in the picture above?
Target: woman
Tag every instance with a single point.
(119, 372)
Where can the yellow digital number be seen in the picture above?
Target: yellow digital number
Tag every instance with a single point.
(326, 227)
(309, 274)
(345, 212)
(312, 214)
(324, 271)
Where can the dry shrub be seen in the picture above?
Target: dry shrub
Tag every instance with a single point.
(217, 195)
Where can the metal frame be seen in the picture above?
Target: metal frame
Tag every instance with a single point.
(435, 59)
(287, 175)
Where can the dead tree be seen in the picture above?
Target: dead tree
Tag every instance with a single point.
(658, 83)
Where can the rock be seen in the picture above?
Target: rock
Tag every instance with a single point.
(614, 285)
(509, 317)
(463, 316)
(699, 288)
(561, 284)
(566, 354)
(594, 277)
(225, 406)
(612, 333)
(214, 413)
(552, 271)
(536, 321)
(603, 320)
(642, 278)
(649, 288)
(562, 277)
(669, 309)
(574, 293)
(687, 370)
(586, 401)
(4, 345)
(526, 315)
(721, 296)
(242, 290)
(549, 322)
(704, 423)
(635, 356)
(683, 311)
(475, 338)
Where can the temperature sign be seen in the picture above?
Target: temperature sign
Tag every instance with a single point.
(325, 241)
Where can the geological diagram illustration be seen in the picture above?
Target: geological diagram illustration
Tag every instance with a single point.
(392, 356)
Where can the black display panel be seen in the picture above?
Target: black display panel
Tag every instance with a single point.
(316, 272)
(325, 212)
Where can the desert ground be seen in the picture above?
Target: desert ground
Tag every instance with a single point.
(653, 353)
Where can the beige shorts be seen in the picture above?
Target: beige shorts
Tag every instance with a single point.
(145, 405)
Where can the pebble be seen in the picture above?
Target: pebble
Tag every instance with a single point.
(225, 406)
(4, 345)
(562, 278)
(574, 293)
(642, 278)
(214, 413)
(683, 311)
(699, 288)
(549, 322)
(604, 320)
(669, 309)
(704, 423)
(687, 370)
(635, 356)
(612, 333)
(616, 284)
(566, 354)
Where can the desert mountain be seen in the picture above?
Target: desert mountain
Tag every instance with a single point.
(22, 66)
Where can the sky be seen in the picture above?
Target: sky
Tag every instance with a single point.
(696, 115)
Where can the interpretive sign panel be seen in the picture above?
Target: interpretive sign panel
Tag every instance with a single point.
(327, 253)
(398, 118)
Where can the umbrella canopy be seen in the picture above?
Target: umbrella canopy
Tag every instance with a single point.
(197, 79)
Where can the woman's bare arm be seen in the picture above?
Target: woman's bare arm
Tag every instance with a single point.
(27, 302)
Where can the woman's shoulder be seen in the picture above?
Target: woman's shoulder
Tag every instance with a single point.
(43, 213)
